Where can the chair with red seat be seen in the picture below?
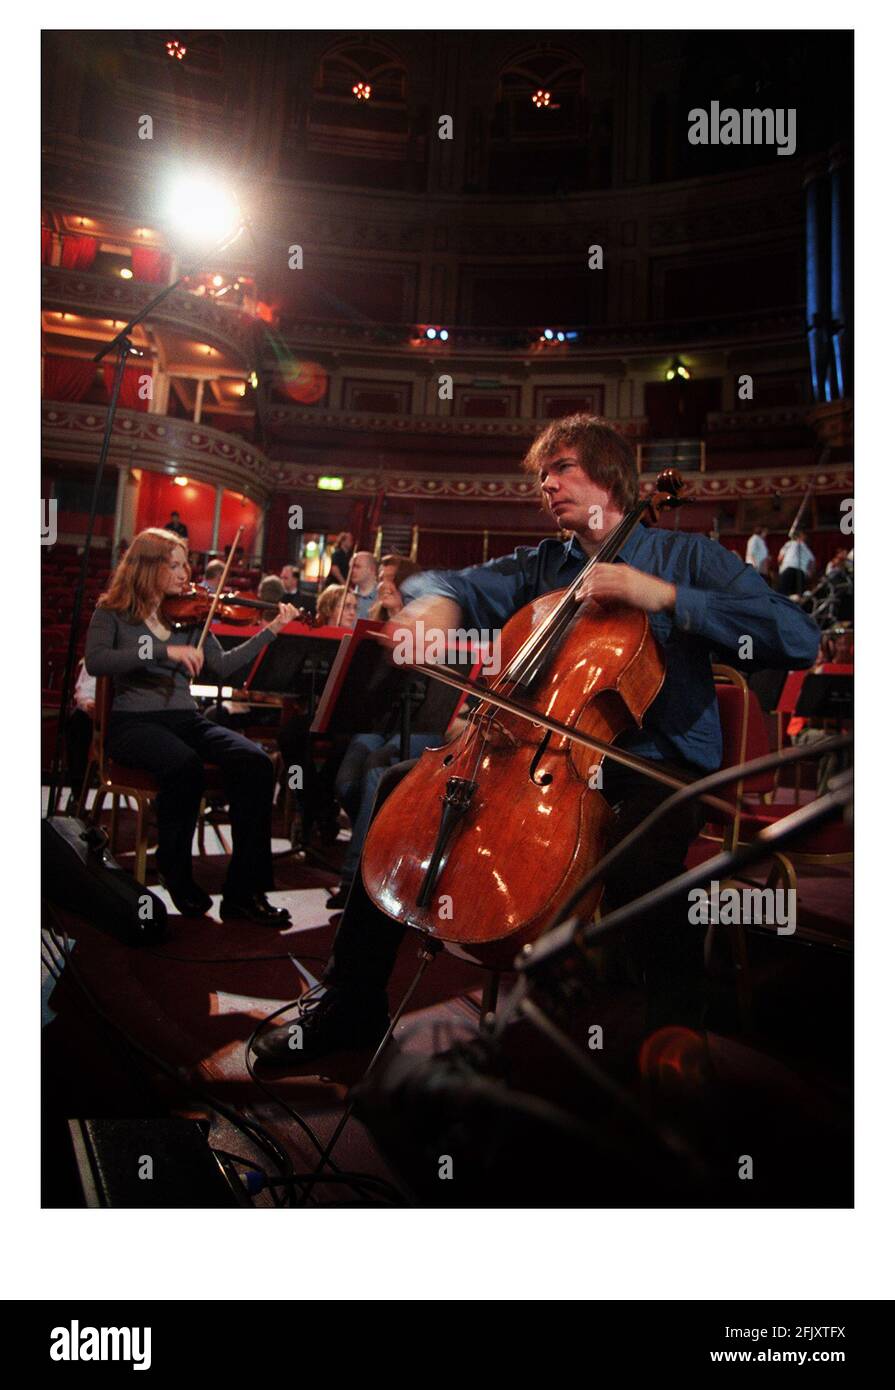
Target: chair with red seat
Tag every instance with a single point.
(744, 736)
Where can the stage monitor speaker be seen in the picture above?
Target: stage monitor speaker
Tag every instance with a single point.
(148, 1163)
(79, 873)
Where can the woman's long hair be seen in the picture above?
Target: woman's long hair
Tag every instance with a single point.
(135, 587)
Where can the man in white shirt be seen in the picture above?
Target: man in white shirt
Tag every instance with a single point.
(757, 553)
(796, 564)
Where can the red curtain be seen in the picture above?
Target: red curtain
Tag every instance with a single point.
(150, 266)
(67, 378)
(46, 245)
(452, 551)
(78, 252)
(129, 398)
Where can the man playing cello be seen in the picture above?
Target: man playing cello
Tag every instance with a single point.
(701, 601)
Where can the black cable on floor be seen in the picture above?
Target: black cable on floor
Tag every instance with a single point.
(254, 1130)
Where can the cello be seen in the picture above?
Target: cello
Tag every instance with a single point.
(485, 837)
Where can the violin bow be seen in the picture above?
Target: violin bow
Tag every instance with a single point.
(220, 589)
(544, 721)
(346, 588)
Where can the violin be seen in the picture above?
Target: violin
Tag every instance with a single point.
(486, 836)
(194, 605)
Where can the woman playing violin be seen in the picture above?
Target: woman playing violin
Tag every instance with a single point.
(155, 725)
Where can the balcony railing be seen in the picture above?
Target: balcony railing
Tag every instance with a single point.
(224, 326)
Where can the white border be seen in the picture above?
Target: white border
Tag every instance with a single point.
(427, 1255)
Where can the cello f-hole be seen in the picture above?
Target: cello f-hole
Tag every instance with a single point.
(547, 777)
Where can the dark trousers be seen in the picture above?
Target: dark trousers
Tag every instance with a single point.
(174, 746)
(792, 581)
(665, 948)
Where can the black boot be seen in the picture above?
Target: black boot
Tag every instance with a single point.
(254, 908)
(328, 1020)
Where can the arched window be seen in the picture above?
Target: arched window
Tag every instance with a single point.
(540, 126)
(358, 127)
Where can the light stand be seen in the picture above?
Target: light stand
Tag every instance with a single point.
(122, 345)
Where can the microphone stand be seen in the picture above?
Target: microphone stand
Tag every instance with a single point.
(121, 345)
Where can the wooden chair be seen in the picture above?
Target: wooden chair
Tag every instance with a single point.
(133, 782)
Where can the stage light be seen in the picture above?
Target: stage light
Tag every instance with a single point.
(362, 91)
(126, 273)
(217, 280)
(560, 337)
(431, 332)
(180, 480)
(677, 368)
(200, 208)
(311, 548)
(548, 334)
(444, 335)
(175, 49)
(541, 98)
(253, 380)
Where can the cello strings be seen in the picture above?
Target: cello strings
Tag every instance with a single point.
(540, 636)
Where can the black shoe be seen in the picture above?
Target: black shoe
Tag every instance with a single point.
(339, 898)
(189, 899)
(254, 909)
(331, 1020)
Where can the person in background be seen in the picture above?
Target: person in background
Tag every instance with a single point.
(796, 565)
(175, 525)
(290, 577)
(394, 571)
(272, 589)
(366, 761)
(211, 578)
(155, 725)
(363, 578)
(315, 799)
(341, 559)
(757, 553)
(329, 601)
(839, 563)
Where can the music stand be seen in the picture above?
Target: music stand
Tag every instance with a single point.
(364, 678)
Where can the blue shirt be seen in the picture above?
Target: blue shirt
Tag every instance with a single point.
(719, 602)
(365, 603)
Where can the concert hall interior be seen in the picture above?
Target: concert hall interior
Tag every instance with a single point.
(447, 464)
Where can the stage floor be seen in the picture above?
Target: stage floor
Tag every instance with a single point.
(194, 1000)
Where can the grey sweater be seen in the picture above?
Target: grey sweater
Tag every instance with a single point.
(143, 679)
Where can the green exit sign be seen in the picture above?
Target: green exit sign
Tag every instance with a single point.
(331, 484)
